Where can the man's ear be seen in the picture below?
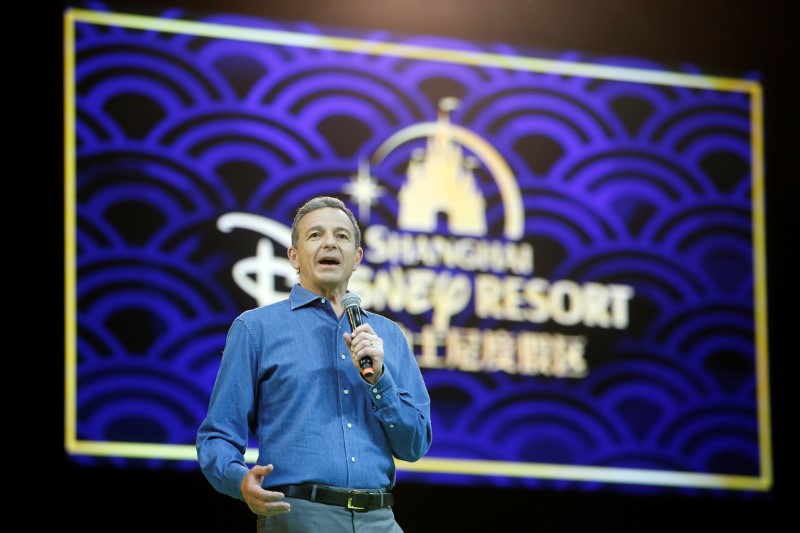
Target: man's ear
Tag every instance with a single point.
(359, 257)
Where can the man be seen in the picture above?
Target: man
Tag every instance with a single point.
(290, 375)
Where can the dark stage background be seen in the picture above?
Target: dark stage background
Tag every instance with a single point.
(723, 38)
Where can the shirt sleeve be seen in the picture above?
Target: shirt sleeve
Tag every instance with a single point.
(222, 437)
(402, 401)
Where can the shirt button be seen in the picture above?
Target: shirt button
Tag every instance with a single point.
(391, 426)
(346, 391)
(374, 390)
(342, 356)
(323, 300)
(352, 459)
(377, 396)
(349, 425)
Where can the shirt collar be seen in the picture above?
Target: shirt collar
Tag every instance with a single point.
(301, 297)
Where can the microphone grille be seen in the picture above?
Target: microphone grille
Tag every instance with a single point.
(351, 300)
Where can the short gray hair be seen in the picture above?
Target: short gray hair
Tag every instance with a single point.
(320, 202)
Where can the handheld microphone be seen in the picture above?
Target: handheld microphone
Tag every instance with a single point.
(351, 304)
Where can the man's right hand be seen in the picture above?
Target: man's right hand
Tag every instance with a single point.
(259, 500)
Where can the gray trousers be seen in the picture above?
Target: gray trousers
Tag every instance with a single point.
(313, 517)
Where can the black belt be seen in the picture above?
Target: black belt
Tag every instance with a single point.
(359, 500)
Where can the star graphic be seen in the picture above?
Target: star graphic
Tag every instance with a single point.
(364, 190)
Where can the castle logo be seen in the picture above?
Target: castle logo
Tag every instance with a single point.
(441, 181)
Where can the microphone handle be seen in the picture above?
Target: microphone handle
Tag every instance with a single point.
(366, 366)
(365, 363)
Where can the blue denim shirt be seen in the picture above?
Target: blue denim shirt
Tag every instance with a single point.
(287, 377)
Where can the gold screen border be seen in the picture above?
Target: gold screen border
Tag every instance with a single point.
(133, 450)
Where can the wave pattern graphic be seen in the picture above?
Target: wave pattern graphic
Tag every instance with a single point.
(621, 182)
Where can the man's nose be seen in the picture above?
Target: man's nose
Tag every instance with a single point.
(330, 239)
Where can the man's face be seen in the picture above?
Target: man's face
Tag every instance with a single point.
(326, 253)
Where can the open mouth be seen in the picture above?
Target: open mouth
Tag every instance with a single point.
(329, 261)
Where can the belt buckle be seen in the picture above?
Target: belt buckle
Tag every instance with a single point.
(350, 495)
